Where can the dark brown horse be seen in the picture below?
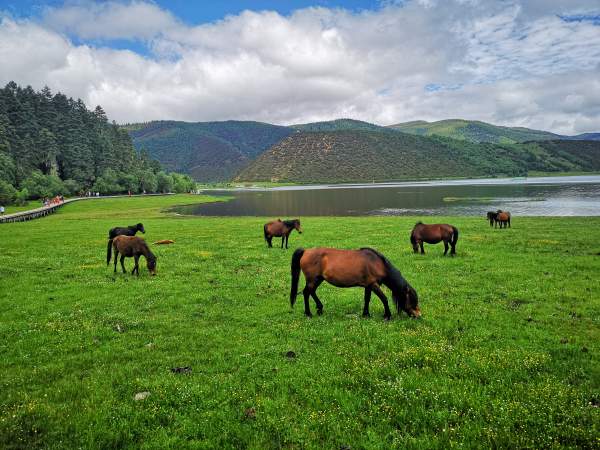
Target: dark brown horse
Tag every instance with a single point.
(277, 228)
(133, 246)
(434, 234)
(349, 268)
(122, 231)
(499, 216)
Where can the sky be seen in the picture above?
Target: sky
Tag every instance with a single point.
(527, 63)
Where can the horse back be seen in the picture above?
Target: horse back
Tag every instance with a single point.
(503, 217)
(131, 246)
(343, 268)
(121, 231)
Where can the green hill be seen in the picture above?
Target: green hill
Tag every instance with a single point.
(343, 124)
(362, 156)
(474, 131)
(207, 151)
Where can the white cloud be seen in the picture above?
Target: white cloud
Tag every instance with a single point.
(508, 64)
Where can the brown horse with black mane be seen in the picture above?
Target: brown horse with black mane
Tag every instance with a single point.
(500, 216)
(350, 268)
(277, 228)
(434, 234)
(133, 246)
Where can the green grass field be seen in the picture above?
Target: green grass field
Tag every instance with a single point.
(505, 356)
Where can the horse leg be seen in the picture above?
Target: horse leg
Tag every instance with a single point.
(310, 290)
(286, 240)
(446, 247)
(269, 239)
(123, 264)
(116, 259)
(316, 299)
(387, 313)
(453, 251)
(136, 267)
(367, 300)
(421, 244)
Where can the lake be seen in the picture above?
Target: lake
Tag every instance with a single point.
(547, 196)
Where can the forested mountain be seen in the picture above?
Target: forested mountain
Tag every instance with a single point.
(355, 156)
(215, 151)
(207, 151)
(53, 145)
(475, 131)
(343, 124)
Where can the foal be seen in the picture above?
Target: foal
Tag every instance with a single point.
(133, 246)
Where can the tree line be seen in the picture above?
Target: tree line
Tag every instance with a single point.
(52, 145)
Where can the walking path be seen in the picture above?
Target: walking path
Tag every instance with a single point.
(45, 210)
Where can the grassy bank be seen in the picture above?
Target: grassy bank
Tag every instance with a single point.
(485, 367)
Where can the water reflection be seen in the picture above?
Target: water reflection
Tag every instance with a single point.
(568, 196)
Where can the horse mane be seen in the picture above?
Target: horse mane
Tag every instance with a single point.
(412, 237)
(394, 280)
(290, 223)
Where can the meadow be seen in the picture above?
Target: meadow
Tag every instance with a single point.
(505, 355)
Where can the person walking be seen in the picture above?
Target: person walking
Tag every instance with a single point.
(1, 209)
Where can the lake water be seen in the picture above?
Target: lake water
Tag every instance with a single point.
(562, 196)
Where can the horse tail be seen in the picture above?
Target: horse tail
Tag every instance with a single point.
(266, 233)
(413, 240)
(109, 251)
(296, 257)
(454, 235)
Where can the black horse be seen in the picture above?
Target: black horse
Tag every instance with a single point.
(121, 231)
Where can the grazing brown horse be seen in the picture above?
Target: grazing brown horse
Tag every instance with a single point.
(133, 246)
(349, 268)
(122, 231)
(433, 234)
(277, 228)
(500, 216)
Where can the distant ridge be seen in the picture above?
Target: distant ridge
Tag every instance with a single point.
(476, 131)
(473, 131)
(343, 124)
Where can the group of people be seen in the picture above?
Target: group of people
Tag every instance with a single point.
(55, 200)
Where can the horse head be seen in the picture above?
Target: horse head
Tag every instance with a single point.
(297, 226)
(151, 264)
(141, 228)
(408, 301)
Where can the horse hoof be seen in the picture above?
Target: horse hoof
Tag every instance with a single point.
(387, 317)
(366, 316)
(319, 312)
(310, 316)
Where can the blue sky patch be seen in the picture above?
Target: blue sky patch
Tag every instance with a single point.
(442, 87)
